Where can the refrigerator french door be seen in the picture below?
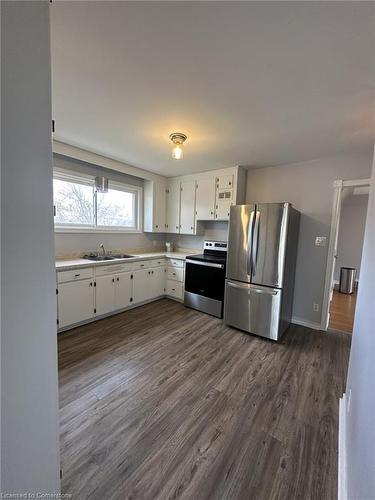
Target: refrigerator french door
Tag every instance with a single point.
(260, 267)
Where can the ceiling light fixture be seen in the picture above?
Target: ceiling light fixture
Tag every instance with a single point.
(178, 139)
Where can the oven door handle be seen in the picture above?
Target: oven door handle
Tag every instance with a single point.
(206, 264)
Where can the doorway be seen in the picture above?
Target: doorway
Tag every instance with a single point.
(344, 254)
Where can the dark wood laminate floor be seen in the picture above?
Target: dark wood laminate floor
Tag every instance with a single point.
(165, 402)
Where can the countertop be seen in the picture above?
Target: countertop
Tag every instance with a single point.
(67, 264)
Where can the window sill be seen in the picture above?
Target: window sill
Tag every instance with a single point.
(84, 230)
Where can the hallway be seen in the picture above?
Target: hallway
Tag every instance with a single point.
(342, 311)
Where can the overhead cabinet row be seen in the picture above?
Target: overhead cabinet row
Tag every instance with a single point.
(177, 205)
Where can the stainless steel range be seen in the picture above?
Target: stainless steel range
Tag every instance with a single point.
(205, 278)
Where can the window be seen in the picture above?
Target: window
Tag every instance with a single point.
(78, 207)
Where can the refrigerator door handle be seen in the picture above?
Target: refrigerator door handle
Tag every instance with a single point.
(250, 242)
(252, 290)
(254, 250)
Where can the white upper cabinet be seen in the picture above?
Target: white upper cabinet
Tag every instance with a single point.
(187, 207)
(205, 199)
(173, 206)
(224, 181)
(154, 206)
(177, 205)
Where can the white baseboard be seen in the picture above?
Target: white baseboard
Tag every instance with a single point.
(304, 322)
(342, 470)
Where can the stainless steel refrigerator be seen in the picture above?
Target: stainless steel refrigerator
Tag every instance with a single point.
(262, 250)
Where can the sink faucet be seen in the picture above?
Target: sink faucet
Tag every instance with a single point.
(101, 246)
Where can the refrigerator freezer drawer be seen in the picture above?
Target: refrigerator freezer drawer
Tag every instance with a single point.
(255, 309)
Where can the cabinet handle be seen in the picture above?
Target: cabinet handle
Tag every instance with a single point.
(176, 227)
(156, 226)
(142, 265)
(131, 299)
(113, 280)
(91, 284)
(118, 279)
(152, 272)
(212, 213)
(76, 275)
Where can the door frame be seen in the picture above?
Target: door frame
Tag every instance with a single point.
(338, 187)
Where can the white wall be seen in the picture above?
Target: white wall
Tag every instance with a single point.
(351, 233)
(309, 187)
(29, 397)
(360, 393)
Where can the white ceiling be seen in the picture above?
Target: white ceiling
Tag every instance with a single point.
(250, 83)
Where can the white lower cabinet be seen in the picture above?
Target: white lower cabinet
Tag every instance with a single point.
(113, 292)
(75, 302)
(175, 289)
(148, 284)
(124, 290)
(140, 285)
(158, 281)
(86, 293)
(105, 295)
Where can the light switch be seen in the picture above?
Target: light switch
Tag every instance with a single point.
(320, 241)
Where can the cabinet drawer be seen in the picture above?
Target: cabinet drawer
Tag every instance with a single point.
(175, 263)
(157, 262)
(175, 289)
(175, 274)
(113, 269)
(143, 264)
(75, 275)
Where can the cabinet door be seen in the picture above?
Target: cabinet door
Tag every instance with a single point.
(224, 200)
(187, 211)
(173, 207)
(159, 208)
(158, 281)
(141, 285)
(224, 181)
(105, 294)
(124, 290)
(205, 199)
(223, 210)
(75, 302)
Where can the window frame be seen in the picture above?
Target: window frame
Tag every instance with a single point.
(89, 180)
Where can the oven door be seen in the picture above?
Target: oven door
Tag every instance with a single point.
(205, 278)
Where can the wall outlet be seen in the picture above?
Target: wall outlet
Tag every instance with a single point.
(320, 241)
(315, 307)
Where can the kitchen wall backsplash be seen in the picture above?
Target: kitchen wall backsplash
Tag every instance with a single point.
(73, 245)
(210, 230)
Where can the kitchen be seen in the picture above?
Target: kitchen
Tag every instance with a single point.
(169, 339)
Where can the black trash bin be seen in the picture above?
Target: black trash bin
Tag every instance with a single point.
(347, 277)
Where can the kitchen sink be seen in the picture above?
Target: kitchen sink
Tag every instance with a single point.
(99, 258)
(122, 256)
